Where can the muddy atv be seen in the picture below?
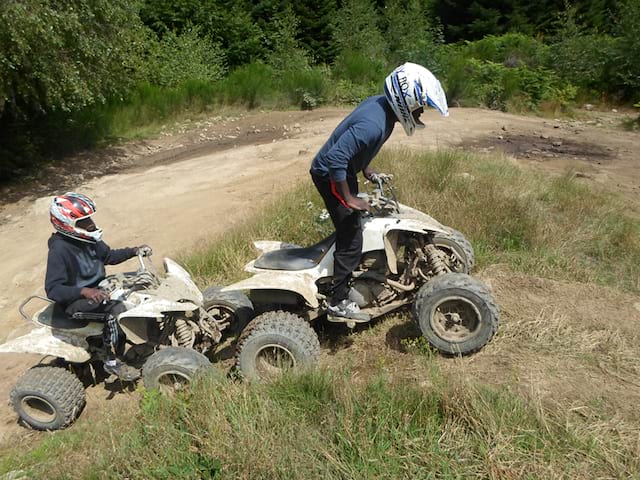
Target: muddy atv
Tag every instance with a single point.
(169, 327)
(408, 259)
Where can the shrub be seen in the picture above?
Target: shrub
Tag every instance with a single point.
(511, 50)
(250, 85)
(471, 81)
(174, 59)
(305, 88)
(585, 60)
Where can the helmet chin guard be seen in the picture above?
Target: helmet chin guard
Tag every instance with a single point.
(410, 87)
(65, 212)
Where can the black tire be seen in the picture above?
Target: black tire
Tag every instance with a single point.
(228, 304)
(171, 369)
(48, 398)
(474, 311)
(274, 342)
(455, 243)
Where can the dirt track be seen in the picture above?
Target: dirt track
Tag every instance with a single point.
(178, 189)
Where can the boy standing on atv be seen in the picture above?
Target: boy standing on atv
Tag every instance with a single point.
(75, 267)
(350, 149)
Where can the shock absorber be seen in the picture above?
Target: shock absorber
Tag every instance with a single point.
(435, 260)
(184, 334)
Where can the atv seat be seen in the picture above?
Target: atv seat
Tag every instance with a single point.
(54, 316)
(295, 258)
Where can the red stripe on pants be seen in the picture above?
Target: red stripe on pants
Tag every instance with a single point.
(334, 190)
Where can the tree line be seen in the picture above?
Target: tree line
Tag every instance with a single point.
(63, 61)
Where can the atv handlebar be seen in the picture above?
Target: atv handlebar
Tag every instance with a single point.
(381, 203)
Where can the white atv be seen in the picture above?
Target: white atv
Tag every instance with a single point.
(407, 258)
(169, 326)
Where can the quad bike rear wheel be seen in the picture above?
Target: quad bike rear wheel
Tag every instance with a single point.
(171, 369)
(458, 249)
(48, 398)
(232, 307)
(456, 313)
(276, 342)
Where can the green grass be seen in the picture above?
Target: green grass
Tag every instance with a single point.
(325, 425)
(554, 227)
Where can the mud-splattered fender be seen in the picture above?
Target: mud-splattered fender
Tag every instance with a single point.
(68, 344)
(301, 283)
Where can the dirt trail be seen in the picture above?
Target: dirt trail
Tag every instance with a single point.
(179, 189)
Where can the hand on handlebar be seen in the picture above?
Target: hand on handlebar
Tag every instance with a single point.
(144, 250)
(358, 204)
(96, 295)
(380, 177)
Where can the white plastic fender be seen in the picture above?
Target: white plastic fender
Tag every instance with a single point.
(301, 283)
(373, 229)
(68, 344)
(408, 213)
(156, 308)
(178, 284)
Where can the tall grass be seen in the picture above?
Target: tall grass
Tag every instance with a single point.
(325, 425)
(554, 227)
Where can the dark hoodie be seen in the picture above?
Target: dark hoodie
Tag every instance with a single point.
(73, 265)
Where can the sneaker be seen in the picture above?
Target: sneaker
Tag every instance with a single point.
(124, 372)
(347, 310)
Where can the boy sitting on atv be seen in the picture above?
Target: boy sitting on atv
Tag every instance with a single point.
(76, 265)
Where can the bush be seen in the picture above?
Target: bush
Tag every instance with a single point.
(175, 59)
(474, 82)
(511, 50)
(305, 89)
(250, 85)
(586, 60)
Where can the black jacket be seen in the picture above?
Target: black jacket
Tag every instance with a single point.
(73, 265)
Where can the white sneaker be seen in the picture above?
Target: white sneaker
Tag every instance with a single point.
(347, 309)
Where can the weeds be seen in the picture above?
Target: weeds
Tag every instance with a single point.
(373, 428)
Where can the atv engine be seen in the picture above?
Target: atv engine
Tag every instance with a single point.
(369, 286)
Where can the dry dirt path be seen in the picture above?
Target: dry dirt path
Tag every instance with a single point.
(179, 189)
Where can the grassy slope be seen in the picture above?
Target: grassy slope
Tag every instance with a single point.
(546, 399)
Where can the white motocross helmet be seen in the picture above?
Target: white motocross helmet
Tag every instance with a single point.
(411, 87)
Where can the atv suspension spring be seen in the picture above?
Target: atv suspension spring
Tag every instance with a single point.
(184, 334)
(435, 260)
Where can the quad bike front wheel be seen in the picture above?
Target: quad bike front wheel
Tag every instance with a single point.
(171, 369)
(456, 313)
(276, 342)
(458, 249)
(48, 398)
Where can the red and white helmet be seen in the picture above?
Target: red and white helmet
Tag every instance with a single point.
(67, 210)
(411, 87)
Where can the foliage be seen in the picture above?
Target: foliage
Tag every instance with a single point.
(71, 72)
(411, 34)
(358, 38)
(470, 81)
(175, 59)
(286, 52)
(583, 57)
(511, 50)
(627, 65)
(65, 54)
(224, 22)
